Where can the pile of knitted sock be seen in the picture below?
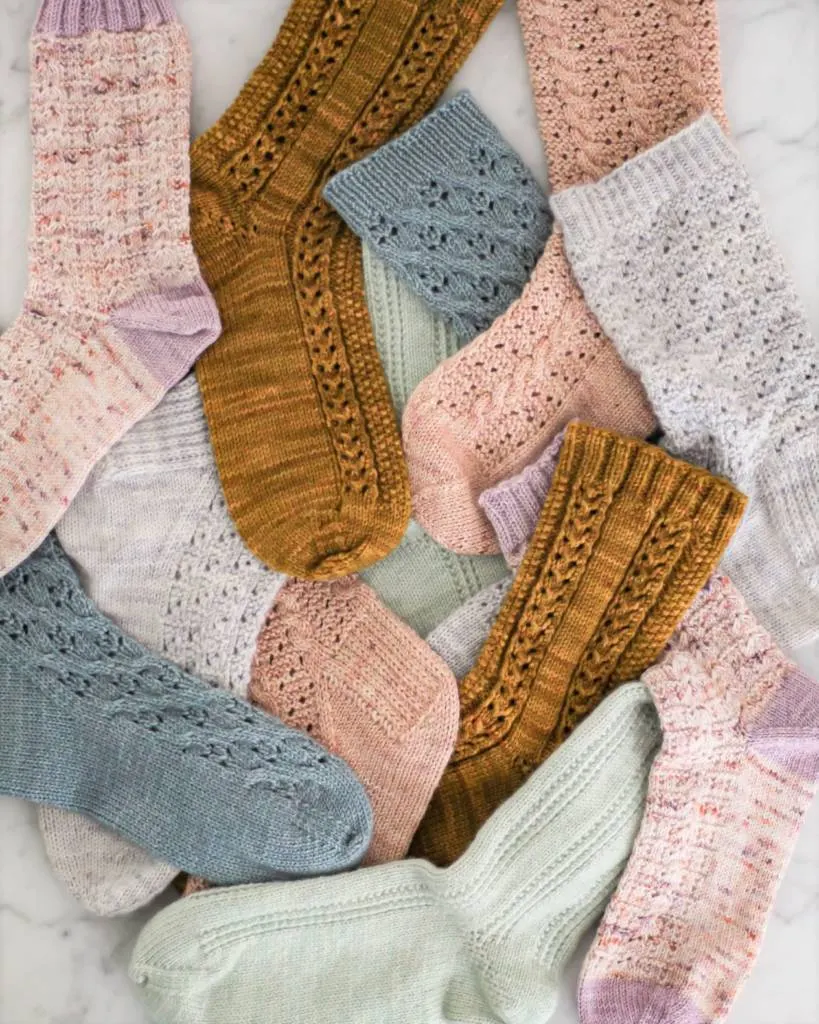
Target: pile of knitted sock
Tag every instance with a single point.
(246, 636)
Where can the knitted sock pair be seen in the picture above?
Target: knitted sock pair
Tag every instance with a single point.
(626, 539)
(116, 311)
(610, 80)
(458, 222)
(94, 723)
(485, 940)
(298, 408)
(726, 795)
(158, 553)
(674, 256)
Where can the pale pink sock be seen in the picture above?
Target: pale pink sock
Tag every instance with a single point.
(334, 662)
(116, 311)
(736, 772)
(611, 78)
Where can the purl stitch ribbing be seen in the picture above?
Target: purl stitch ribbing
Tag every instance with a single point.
(674, 256)
(625, 540)
(486, 940)
(303, 431)
(191, 774)
(115, 311)
(453, 210)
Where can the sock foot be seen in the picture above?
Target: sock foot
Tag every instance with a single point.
(619, 1001)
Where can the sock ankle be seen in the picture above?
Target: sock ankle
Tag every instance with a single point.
(452, 209)
(626, 539)
(674, 256)
(495, 930)
(740, 739)
(333, 662)
(316, 480)
(194, 776)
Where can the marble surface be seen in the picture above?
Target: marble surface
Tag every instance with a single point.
(59, 965)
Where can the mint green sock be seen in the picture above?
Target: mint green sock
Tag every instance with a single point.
(421, 582)
(483, 941)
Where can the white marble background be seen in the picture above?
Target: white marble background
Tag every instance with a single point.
(59, 965)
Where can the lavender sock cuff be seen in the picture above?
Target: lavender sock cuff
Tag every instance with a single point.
(629, 196)
(513, 507)
(78, 17)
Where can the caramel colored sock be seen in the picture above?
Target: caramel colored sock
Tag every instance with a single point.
(627, 537)
(298, 408)
(610, 79)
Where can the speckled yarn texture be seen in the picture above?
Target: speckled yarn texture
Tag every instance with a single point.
(674, 256)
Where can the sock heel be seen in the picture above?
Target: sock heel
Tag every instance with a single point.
(788, 730)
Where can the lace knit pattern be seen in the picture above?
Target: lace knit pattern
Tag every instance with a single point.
(611, 79)
(625, 540)
(674, 256)
(728, 791)
(267, 237)
(453, 210)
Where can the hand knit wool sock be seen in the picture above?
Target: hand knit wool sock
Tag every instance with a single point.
(674, 256)
(737, 770)
(513, 507)
(453, 210)
(626, 538)
(460, 637)
(151, 539)
(299, 413)
(420, 581)
(336, 664)
(94, 723)
(116, 310)
(484, 941)
(610, 79)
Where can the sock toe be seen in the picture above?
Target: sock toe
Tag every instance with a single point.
(620, 1001)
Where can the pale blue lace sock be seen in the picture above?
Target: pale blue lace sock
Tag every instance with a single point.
(93, 723)
(452, 209)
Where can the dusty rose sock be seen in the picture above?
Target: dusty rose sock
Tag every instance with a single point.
(727, 793)
(610, 79)
(115, 311)
(513, 507)
(334, 662)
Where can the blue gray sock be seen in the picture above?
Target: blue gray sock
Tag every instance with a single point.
(93, 723)
(452, 209)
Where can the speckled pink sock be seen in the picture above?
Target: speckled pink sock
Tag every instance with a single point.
(334, 662)
(116, 311)
(727, 793)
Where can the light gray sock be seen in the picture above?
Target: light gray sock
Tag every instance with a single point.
(675, 259)
(459, 638)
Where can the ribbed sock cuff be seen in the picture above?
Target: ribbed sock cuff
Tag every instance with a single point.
(381, 181)
(631, 194)
(78, 17)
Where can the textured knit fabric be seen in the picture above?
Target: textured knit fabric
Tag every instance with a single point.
(303, 430)
(453, 210)
(626, 538)
(460, 637)
(674, 256)
(484, 941)
(611, 78)
(420, 581)
(115, 311)
(727, 794)
(156, 551)
(333, 662)
(513, 506)
(94, 723)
